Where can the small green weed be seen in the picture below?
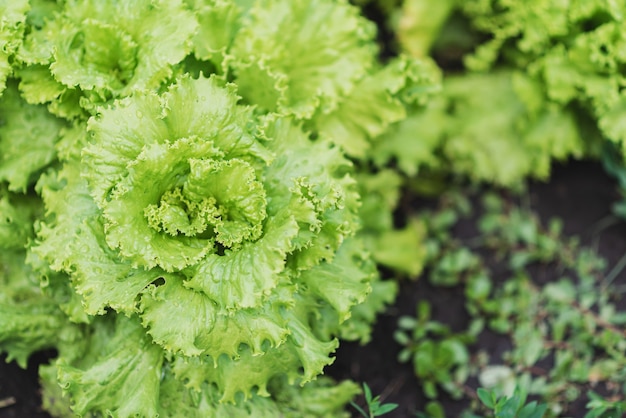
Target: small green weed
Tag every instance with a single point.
(514, 406)
(374, 406)
(553, 301)
(440, 357)
(604, 408)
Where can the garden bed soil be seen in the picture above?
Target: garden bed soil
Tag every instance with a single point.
(579, 193)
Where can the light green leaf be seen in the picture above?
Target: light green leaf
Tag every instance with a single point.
(296, 178)
(313, 354)
(176, 317)
(28, 135)
(38, 86)
(293, 57)
(232, 376)
(201, 327)
(31, 321)
(242, 277)
(120, 376)
(219, 21)
(366, 112)
(419, 24)
(402, 249)
(344, 282)
(12, 25)
(74, 242)
(17, 213)
(358, 326)
(119, 46)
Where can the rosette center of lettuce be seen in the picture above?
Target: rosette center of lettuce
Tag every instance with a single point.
(183, 200)
(176, 214)
(218, 199)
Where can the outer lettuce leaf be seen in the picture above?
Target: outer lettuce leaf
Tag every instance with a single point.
(119, 375)
(328, 317)
(219, 21)
(293, 57)
(343, 283)
(12, 24)
(30, 320)
(38, 86)
(27, 139)
(412, 142)
(72, 141)
(472, 136)
(17, 213)
(322, 398)
(40, 11)
(398, 248)
(248, 374)
(402, 249)
(204, 328)
(378, 100)
(74, 243)
(381, 192)
(52, 399)
(324, 202)
(178, 400)
(420, 23)
(572, 50)
(58, 287)
(358, 326)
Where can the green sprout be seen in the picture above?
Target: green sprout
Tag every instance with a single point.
(374, 406)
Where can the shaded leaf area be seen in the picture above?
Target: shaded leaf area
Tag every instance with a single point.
(581, 195)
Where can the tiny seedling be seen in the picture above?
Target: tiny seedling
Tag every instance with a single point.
(604, 408)
(440, 357)
(374, 406)
(514, 406)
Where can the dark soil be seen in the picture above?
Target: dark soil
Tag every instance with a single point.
(580, 193)
(21, 388)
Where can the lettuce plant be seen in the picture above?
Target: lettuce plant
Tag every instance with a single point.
(549, 73)
(181, 199)
(93, 51)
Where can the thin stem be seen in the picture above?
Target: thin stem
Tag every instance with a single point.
(600, 321)
(615, 271)
(603, 224)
